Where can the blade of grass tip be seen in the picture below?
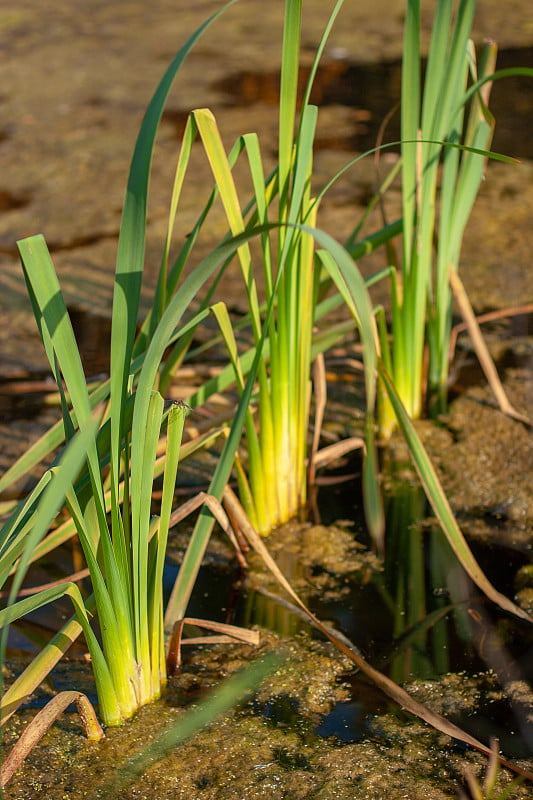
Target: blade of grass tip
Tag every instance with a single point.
(437, 63)
(410, 121)
(161, 299)
(36, 729)
(440, 504)
(320, 51)
(290, 63)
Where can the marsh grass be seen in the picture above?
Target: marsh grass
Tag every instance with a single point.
(446, 133)
(273, 486)
(110, 500)
(113, 432)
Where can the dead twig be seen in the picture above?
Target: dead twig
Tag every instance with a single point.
(481, 349)
(42, 721)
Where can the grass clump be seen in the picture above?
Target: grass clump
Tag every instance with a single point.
(113, 432)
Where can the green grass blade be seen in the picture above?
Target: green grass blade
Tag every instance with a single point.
(144, 441)
(175, 424)
(320, 51)
(109, 706)
(221, 169)
(53, 321)
(508, 72)
(61, 348)
(353, 285)
(113, 613)
(287, 102)
(162, 290)
(53, 497)
(18, 525)
(440, 504)
(258, 511)
(223, 700)
(130, 254)
(410, 122)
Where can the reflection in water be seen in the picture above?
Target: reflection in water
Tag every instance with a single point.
(419, 567)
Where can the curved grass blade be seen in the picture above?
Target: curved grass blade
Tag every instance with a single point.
(131, 247)
(440, 504)
(42, 721)
(352, 285)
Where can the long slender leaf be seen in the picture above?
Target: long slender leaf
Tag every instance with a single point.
(440, 504)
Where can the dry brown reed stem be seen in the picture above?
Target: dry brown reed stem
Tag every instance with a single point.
(481, 349)
(391, 689)
(36, 729)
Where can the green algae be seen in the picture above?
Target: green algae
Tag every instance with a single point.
(251, 754)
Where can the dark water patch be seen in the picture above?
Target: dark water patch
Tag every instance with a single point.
(177, 119)
(24, 397)
(347, 723)
(11, 200)
(93, 335)
(373, 91)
